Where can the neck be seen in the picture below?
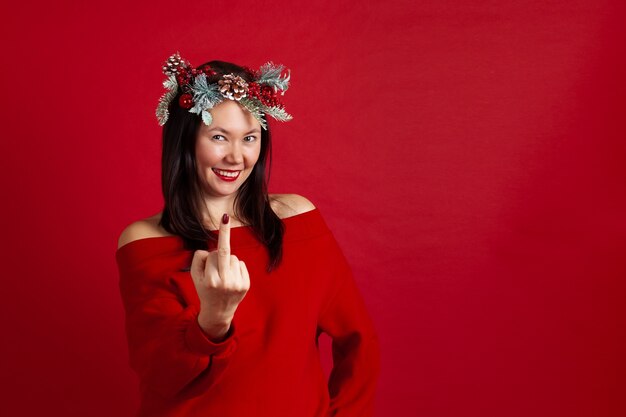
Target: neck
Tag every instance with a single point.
(215, 207)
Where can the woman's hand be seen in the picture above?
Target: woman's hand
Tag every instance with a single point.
(221, 281)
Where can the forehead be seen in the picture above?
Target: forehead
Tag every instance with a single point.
(231, 117)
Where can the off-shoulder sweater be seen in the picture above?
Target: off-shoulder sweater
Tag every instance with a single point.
(269, 363)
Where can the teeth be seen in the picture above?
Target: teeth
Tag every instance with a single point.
(226, 173)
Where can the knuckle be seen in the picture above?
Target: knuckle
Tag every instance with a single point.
(223, 251)
(214, 281)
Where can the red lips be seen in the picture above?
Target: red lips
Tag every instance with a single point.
(225, 178)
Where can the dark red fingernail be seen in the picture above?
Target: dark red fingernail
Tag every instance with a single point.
(225, 218)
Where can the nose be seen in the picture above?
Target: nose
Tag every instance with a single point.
(235, 156)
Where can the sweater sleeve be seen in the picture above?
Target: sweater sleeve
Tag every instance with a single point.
(168, 349)
(355, 346)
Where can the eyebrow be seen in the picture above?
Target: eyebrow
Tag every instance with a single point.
(255, 130)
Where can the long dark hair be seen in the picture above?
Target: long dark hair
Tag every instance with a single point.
(181, 187)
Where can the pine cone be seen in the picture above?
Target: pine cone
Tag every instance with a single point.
(233, 87)
(174, 63)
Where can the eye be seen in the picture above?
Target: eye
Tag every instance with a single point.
(250, 138)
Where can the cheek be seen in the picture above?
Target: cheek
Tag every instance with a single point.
(206, 155)
(253, 154)
(204, 159)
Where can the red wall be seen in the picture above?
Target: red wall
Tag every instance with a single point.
(469, 157)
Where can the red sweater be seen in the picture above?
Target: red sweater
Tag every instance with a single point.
(269, 364)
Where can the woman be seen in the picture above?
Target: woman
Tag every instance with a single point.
(227, 290)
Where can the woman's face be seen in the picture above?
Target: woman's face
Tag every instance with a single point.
(231, 143)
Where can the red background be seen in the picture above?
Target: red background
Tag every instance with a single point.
(469, 157)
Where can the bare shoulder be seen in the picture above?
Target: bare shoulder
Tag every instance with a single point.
(287, 205)
(141, 229)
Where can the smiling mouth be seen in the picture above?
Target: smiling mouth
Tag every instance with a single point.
(226, 174)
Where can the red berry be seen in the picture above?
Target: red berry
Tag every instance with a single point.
(185, 101)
